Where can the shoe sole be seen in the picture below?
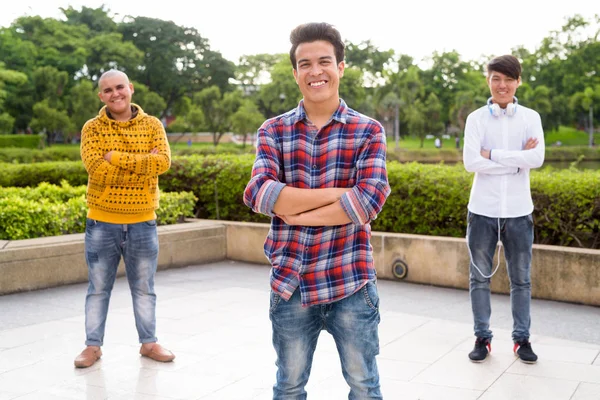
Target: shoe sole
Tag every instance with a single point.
(479, 361)
(524, 361)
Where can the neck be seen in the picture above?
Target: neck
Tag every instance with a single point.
(319, 113)
(121, 117)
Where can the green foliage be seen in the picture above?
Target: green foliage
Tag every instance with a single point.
(567, 207)
(217, 181)
(6, 122)
(175, 207)
(426, 199)
(50, 210)
(22, 175)
(25, 141)
(26, 156)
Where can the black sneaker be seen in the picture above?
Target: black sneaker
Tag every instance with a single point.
(524, 351)
(482, 348)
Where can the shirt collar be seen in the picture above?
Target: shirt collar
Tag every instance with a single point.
(340, 115)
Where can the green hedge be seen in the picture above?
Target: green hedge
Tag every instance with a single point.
(50, 210)
(16, 155)
(27, 141)
(426, 199)
(23, 175)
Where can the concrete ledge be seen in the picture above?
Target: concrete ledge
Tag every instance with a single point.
(59, 260)
(558, 273)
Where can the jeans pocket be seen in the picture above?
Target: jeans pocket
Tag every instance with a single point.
(530, 219)
(90, 223)
(274, 301)
(151, 222)
(371, 295)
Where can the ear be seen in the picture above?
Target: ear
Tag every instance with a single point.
(341, 67)
(295, 75)
(131, 87)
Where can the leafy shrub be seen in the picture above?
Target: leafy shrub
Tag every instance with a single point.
(27, 141)
(49, 210)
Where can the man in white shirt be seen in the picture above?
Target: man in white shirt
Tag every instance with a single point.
(503, 141)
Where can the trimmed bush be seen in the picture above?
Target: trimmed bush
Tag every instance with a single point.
(426, 199)
(16, 155)
(50, 210)
(27, 141)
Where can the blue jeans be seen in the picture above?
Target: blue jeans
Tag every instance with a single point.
(516, 235)
(353, 323)
(105, 244)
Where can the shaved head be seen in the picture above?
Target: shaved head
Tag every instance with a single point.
(111, 74)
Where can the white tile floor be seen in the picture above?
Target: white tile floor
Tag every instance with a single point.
(215, 319)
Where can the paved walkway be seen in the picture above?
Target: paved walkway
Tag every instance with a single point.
(215, 318)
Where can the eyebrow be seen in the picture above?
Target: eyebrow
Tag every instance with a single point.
(320, 59)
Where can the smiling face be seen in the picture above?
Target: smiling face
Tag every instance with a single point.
(318, 74)
(502, 87)
(115, 92)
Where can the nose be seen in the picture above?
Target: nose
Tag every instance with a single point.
(316, 70)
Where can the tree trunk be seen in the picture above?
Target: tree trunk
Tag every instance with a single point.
(591, 141)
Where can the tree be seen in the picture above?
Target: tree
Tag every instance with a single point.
(177, 60)
(51, 121)
(218, 109)
(415, 120)
(150, 101)
(281, 93)
(586, 100)
(433, 116)
(247, 119)
(369, 59)
(83, 103)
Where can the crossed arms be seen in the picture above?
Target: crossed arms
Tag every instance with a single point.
(498, 161)
(122, 168)
(266, 194)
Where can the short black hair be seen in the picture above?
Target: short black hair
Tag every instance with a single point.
(508, 65)
(313, 31)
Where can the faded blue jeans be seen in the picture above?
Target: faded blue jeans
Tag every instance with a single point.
(353, 323)
(516, 235)
(105, 244)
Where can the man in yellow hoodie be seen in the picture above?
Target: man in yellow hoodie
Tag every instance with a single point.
(123, 150)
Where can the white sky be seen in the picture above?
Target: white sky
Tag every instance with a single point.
(417, 28)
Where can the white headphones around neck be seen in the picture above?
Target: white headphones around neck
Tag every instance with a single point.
(496, 111)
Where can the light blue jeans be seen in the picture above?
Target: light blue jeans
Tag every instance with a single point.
(105, 244)
(516, 235)
(353, 323)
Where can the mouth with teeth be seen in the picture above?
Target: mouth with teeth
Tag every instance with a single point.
(317, 84)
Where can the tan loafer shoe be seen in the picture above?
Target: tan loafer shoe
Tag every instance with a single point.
(88, 357)
(157, 353)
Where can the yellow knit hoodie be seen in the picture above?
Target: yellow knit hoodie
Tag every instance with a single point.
(124, 190)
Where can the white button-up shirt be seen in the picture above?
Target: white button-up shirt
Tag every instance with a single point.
(501, 185)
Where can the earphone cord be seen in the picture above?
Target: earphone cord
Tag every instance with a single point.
(473, 261)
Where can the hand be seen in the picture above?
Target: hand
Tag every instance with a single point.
(108, 156)
(531, 144)
(485, 154)
(154, 151)
(291, 220)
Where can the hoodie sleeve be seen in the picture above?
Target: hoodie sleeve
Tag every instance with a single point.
(147, 164)
(97, 167)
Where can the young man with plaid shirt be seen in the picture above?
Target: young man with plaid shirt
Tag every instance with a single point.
(320, 173)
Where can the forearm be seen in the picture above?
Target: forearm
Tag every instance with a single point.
(531, 158)
(330, 215)
(103, 172)
(142, 164)
(292, 201)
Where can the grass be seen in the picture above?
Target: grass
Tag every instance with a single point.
(566, 135)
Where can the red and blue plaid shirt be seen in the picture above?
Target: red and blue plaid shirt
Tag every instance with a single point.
(328, 263)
